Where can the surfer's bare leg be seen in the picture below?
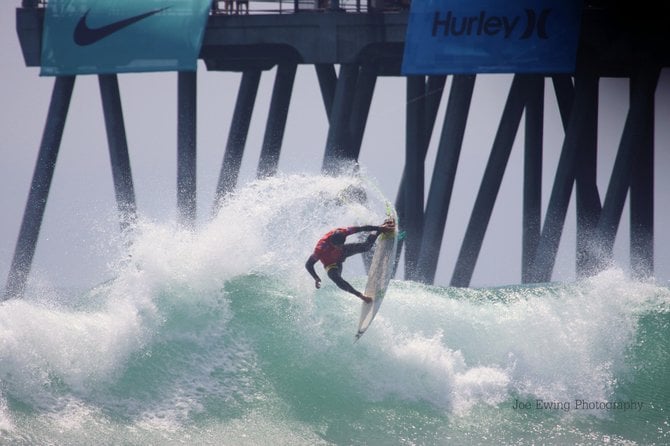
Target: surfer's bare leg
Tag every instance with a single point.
(351, 249)
(336, 276)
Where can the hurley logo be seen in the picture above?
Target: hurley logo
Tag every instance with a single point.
(85, 35)
(491, 25)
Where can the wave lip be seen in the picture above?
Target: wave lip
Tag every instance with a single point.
(210, 334)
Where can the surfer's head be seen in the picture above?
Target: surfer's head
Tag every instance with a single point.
(337, 238)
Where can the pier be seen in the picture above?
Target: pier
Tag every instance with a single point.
(352, 44)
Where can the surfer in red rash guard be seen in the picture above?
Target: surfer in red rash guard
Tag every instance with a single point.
(332, 252)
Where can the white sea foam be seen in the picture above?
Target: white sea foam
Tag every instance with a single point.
(557, 343)
(165, 340)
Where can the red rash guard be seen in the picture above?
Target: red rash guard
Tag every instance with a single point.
(328, 253)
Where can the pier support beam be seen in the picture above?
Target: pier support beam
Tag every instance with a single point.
(565, 96)
(40, 186)
(337, 141)
(237, 135)
(276, 124)
(636, 137)
(186, 147)
(493, 174)
(588, 205)
(532, 175)
(433, 90)
(365, 87)
(444, 174)
(586, 88)
(327, 77)
(642, 192)
(415, 146)
(118, 150)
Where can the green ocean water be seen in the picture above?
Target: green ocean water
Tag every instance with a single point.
(217, 336)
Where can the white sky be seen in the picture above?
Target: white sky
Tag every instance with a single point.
(74, 246)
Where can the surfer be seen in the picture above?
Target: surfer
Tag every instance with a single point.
(332, 252)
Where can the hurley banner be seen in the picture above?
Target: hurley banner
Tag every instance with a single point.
(492, 36)
(117, 36)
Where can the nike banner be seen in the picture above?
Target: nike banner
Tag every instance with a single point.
(120, 36)
(492, 36)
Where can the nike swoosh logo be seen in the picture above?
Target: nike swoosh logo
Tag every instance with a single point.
(83, 35)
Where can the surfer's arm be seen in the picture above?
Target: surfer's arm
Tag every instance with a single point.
(366, 228)
(309, 265)
(370, 228)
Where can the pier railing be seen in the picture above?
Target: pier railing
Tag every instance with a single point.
(234, 7)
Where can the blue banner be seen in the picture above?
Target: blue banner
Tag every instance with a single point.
(117, 36)
(492, 36)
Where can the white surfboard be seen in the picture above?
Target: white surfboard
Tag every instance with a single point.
(379, 276)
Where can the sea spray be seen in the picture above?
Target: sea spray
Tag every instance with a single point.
(217, 336)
